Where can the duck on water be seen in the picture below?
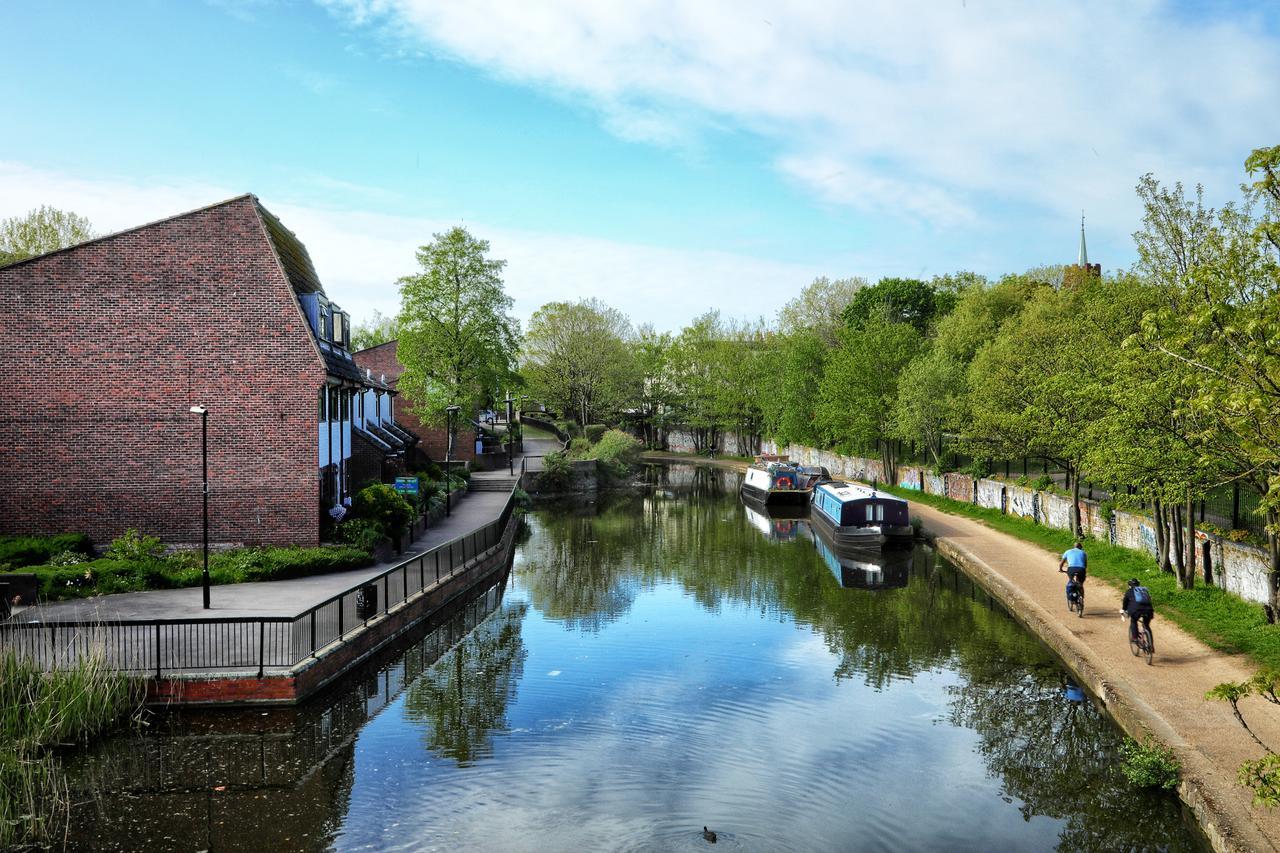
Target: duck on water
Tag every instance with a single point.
(776, 481)
(858, 516)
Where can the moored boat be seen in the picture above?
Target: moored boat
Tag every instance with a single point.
(858, 516)
(775, 480)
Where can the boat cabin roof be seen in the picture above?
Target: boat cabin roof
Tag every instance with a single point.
(858, 492)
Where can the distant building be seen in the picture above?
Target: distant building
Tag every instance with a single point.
(1074, 274)
(109, 343)
(381, 361)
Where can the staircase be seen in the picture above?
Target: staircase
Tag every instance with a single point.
(490, 483)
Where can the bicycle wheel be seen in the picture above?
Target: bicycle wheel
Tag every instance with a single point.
(1150, 643)
(1080, 604)
(1135, 646)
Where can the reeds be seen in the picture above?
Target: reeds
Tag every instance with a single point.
(40, 711)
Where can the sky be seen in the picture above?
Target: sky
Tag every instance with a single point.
(665, 157)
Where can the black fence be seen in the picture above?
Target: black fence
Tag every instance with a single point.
(249, 644)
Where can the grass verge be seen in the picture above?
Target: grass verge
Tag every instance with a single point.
(1219, 619)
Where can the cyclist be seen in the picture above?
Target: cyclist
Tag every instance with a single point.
(1137, 606)
(1076, 563)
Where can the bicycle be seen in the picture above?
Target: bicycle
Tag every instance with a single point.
(1141, 642)
(1075, 598)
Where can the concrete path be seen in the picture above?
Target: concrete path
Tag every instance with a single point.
(266, 598)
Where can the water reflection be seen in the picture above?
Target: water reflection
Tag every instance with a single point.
(656, 664)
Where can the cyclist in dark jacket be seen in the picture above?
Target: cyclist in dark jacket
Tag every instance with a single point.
(1137, 605)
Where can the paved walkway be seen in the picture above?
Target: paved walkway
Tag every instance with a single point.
(267, 598)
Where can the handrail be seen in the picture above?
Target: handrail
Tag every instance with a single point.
(243, 642)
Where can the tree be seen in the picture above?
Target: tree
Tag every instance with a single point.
(1218, 273)
(792, 375)
(457, 340)
(654, 389)
(45, 229)
(819, 307)
(859, 387)
(377, 330)
(902, 300)
(577, 358)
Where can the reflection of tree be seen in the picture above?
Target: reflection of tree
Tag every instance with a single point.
(465, 695)
(1058, 759)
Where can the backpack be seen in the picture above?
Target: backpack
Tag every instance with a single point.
(1141, 595)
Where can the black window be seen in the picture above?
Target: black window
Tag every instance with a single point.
(322, 414)
(346, 405)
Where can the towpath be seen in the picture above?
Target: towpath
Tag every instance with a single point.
(1165, 699)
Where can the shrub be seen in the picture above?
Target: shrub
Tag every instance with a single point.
(579, 448)
(594, 432)
(1042, 483)
(556, 472)
(431, 471)
(616, 452)
(361, 533)
(1149, 764)
(382, 504)
(20, 551)
(68, 558)
(134, 546)
(260, 564)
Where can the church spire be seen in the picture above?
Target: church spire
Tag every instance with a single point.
(1084, 253)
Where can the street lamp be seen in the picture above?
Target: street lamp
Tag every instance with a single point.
(204, 464)
(511, 465)
(450, 412)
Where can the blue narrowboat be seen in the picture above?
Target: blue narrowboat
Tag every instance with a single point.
(858, 516)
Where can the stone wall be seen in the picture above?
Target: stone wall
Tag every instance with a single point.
(1238, 568)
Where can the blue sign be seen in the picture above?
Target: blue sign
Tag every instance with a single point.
(408, 485)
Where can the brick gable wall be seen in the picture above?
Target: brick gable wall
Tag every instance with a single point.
(106, 347)
(433, 440)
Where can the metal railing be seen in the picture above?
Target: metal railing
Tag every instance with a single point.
(250, 643)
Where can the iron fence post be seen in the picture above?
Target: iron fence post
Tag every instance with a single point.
(157, 650)
(342, 599)
(313, 631)
(262, 647)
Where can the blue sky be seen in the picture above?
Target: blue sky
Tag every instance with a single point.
(665, 157)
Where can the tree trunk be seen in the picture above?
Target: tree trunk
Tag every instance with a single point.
(1187, 579)
(1273, 542)
(1162, 535)
(1075, 500)
(1175, 529)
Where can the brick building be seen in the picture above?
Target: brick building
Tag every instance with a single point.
(381, 361)
(109, 344)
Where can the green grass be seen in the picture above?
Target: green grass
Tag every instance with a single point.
(40, 711)
(1216, 617)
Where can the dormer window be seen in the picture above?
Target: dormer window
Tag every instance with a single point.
(339, 328)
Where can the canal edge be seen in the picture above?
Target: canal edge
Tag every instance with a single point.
(1227, 828)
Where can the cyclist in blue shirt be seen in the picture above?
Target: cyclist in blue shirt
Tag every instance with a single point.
(1077, 565)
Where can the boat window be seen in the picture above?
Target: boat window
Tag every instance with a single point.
(879, 512)
(869, 513)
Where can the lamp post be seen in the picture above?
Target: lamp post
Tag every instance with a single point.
(511, 465)
(449, 411)
(204, 465)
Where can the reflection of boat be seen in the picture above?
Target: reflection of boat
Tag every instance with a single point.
(854, 515)
(774, 481)
(863, 568)
(780, 523)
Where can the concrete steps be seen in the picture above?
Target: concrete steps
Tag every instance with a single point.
(493, 484)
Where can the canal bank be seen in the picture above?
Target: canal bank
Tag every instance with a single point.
(1165, 700)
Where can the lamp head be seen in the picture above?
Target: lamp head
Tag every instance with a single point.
(198, 410)
(453, 408)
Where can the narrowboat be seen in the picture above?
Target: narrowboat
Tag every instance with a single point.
(858, 516)
(774, 481)
(778, 523)
(863, 568)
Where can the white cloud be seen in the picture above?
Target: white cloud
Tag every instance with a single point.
(930, 109)
(359, 254)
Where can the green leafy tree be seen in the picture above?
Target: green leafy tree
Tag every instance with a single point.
(902, 300)
(791, 380)
(859, 389)
(457, 338)
(45, 229)
(820, 307)
(655, 389)
(379, 329)
(577, 358)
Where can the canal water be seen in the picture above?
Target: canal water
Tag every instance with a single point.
(656, 662)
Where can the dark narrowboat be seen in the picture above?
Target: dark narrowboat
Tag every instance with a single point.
(858, 516)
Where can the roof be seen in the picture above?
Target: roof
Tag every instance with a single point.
(857, 492)
(293, 255)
